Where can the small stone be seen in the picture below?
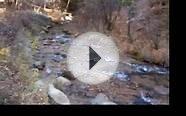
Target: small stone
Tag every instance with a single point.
(146, 96)
(59, 73)
(63, 81)
(48, 71)
(58, 96)
(39, 65)
(102, 99)
(42, 32)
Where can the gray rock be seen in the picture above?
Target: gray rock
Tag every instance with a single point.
(58, 96)
(62, 81)
(102, 99)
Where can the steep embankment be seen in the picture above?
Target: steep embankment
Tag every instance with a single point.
(149, 28)
(18, 36)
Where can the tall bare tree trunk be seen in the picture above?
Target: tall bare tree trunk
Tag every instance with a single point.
(113, 20)
(128, 32)
(67, 5)
(130, 16)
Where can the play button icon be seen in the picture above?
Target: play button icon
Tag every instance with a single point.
(92, 58)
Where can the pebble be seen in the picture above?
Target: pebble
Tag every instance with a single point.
(48, 71)
(39, 65)
(102, 99)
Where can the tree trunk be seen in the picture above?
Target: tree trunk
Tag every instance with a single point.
(130, 16)
(67, 5)
(129, 33)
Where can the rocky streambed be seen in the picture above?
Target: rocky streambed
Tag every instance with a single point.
(134, 82)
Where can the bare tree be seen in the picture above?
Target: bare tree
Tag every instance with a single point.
(131, 13)
(101, 15)
(67, 5)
